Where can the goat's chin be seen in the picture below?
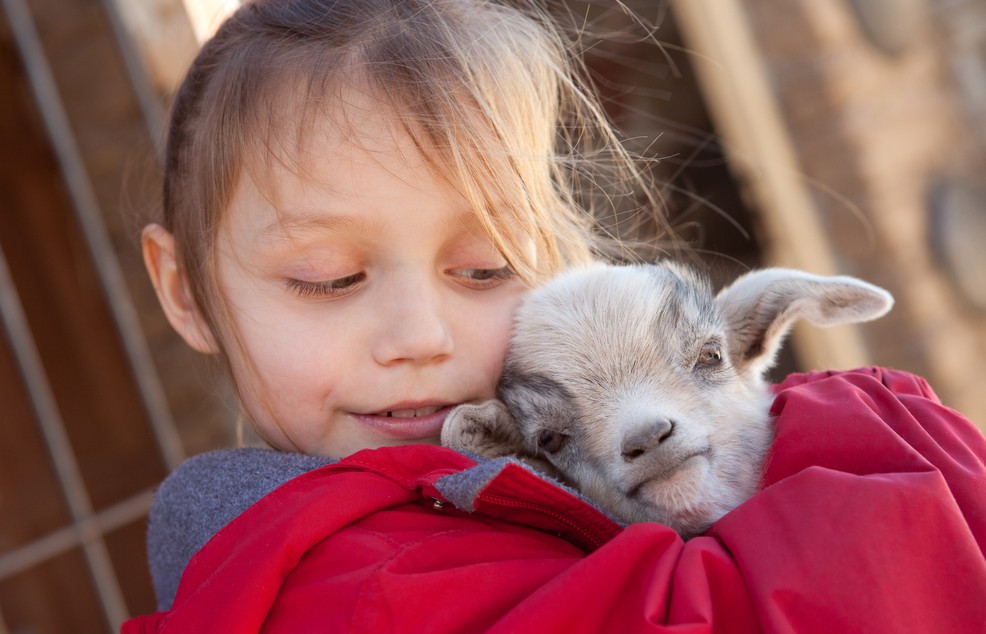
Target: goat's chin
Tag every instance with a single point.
(689, 503)
(686, 521)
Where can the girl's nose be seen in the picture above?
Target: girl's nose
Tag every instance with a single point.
(413, 328)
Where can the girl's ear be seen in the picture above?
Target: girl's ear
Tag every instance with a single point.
(173, 291)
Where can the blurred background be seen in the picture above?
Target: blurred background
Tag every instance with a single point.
(839, 137)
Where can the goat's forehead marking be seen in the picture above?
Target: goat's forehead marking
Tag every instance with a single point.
(604, 305)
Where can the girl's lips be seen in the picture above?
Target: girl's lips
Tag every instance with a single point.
(402, 424)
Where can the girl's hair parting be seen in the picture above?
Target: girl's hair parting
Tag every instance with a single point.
(492, 92)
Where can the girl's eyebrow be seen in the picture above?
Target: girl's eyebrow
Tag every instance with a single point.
(294, 225)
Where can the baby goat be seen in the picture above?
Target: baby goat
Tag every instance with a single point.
(646, 392)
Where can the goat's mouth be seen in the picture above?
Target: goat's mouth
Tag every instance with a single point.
(668, 473)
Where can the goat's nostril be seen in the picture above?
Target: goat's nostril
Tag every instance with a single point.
(633, 454)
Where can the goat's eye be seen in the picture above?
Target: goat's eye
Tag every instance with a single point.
(709, 356)
(550, 441)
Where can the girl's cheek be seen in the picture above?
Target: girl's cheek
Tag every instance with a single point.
(497, 336)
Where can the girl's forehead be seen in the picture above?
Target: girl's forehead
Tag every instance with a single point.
(348, 125)
(344, 162)
(350, 137)
(329, 148)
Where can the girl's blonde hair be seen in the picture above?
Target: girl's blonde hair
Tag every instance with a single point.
(492, 92)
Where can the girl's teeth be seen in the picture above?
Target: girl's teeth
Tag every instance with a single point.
(413, 413)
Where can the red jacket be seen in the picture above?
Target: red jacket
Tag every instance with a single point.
(872, 518)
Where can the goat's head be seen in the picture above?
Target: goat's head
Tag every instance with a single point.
(645, 391)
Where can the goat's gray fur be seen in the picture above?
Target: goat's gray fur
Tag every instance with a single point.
(645, 391)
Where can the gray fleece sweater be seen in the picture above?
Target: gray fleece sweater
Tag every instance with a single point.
(204, 494)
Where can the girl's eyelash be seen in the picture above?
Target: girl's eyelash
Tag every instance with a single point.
(476, 278)
(327, 288)
(488, 277)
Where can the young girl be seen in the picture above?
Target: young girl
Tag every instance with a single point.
(357, 194)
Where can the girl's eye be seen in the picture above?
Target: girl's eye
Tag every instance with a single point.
(325, 289)
(484, 278)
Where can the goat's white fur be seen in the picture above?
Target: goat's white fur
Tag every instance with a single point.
(611, 383)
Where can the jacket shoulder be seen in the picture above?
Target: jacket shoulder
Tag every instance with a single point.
(202, 495)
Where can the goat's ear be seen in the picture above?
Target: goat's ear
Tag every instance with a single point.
(486, 429)
(760, 308)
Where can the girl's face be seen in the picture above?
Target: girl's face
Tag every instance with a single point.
(367, 300)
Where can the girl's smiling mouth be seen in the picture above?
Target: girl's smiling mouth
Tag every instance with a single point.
(412, 413)
(408, 422)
